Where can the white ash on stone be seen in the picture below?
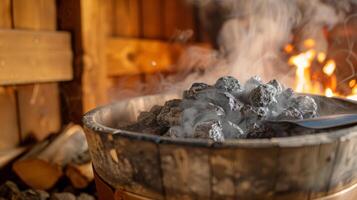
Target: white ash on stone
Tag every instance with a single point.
(227, 110)
(306, 105)
(229, 84)
(263, 95)
(218, 97)
(209, 130)
(257, 113)
(277, 85)
(290, 114)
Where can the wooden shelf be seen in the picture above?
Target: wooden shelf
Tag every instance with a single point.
(34, 56)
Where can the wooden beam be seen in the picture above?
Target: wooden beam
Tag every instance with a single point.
(136, 56)
(94, 31)
(34, 56)
(69, 19)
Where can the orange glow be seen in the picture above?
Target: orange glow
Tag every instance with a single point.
(353, 95)
(309, 43)
(321, 57)
(288, 48)
(309, 81)
(329, 68)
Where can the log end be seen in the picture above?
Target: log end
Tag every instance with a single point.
(37, 173)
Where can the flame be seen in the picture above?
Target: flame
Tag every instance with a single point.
(321, 56)
(353, 95)
(328, 92)
(329, 68)
(324, 82)
(302, 62)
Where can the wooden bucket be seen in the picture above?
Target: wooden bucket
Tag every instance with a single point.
(322, 165)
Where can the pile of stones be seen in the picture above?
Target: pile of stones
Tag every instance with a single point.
(226, 110)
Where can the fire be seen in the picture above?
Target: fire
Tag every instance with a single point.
(302, 62)
(309, 81)
(329, 68)
(328, 92)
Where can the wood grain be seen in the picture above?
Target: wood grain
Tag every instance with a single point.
(9, 131)
(178, 20)
(126, 18)
(38, 116)
(9, 134)
(37, 15)
(94, 64)
(5, 14)
(135, 56)
(43, 165)
(34, 56)
(152, 19)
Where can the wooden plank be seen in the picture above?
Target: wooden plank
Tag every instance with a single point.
(9, 134)
(151, 19)
(94, 83)
(297, 168)
(126, 18)
(255, 168)
(5, 14)
(34, 56)
(222, 174)
(186, 172)
(178, 20)
(134, 56)
(38, 105)
(9, 131)
(35, 14)
(344, 172)
(38, 115)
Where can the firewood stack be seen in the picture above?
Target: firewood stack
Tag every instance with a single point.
(57, 168)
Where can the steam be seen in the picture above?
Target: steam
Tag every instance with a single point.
(252, 37)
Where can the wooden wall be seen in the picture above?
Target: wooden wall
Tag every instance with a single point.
(121, 45)
(145, 39)
(102, 46)
(33, 58)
